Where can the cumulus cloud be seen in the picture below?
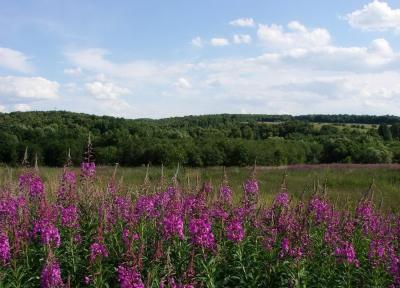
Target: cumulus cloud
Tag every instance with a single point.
(22, 107)
(375, 16)
(219, 42)
(105, 91)
(295, 35)
(14, 60)
(197, 41)
(183, 83)
(241, 39)
(243, 22)
(34, 88)
(379, 56)
(2, 109)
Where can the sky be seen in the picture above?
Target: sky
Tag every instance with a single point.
(158, 59)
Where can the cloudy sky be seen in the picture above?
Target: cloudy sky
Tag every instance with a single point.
(165, 58)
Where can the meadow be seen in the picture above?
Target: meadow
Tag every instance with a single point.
(296, 226)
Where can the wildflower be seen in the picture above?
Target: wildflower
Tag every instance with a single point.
(225, 193)
(4, 248)
(129, 277)
(282, 200)
(69, 216)
(201, 233)
(234, 230)
(51, 276)
(172, 224)
(49, 235)
(97, 250)
(88, 170)
(346, 253)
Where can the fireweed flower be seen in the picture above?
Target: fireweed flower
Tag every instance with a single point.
(234, 230)
(201, 232)
(31, 183)
(5, 254)
(172, 225)
(128, 237)
(97, 250)
(346, 253)
(129, 277)
(51, 276)
(225, 194)
(282, 200)
(88, 170)
(251, 191)
(67, 189)
(69, 217)
(49, 235)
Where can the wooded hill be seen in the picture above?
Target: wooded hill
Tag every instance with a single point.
(225, 139)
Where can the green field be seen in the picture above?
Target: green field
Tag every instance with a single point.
(345, 183)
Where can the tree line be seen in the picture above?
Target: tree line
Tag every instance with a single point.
(208, 140)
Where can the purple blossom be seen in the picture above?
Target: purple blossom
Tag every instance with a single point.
(97, 250)
(172, 224)
(346, 253)
(31, 183)
(129, 277)
(201, 232)
(225, 193)
(128, 237)
(234, 230)
(282, 200)
(69, 217)
(51, 276)
(88, 170)
(5, 254)
(49, 235)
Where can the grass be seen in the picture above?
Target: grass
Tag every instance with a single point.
(345, 184)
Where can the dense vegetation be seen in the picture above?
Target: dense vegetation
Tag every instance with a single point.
(91, 231)
(201, 140)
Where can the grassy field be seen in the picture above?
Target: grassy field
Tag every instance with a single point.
(345, 183)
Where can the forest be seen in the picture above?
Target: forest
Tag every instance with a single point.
(208, 140)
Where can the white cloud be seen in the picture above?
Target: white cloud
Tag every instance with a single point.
(219, 42)
(22, 107)
(2, 109)
(14, 60)
(375, 16)
(378, 57)
(243, 22)
(197, 41)
(241, 39)
(295, 36)
(73, 71)
(183, 83)
(105, 91)
(35, 88)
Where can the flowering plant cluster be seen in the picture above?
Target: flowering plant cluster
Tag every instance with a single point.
(99, 233)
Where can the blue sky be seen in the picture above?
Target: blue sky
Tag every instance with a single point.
(166, 58)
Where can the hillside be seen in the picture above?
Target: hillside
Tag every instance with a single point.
(226, 139)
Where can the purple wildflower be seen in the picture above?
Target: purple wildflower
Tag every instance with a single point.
(51, 276)
(49, 235)
(201, 232)
(129, 277)
(5, 254)
(346, 253)
(234, 230)
(97, 250)
(173, 225)
(69, 216)
(88, 170)
(282, 200)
